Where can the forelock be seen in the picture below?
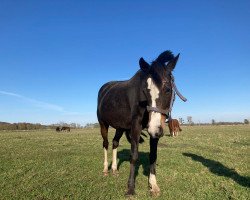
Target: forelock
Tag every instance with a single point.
(164, 57)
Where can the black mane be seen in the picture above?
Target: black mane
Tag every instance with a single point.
(164, 57)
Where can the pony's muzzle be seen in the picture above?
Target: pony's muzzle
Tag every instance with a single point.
(160, 133)
(156, 126)
(156, 132)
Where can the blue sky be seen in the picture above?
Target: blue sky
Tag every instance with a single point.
(55, 55)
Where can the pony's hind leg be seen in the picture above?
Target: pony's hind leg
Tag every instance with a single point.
(118, 135)
(177, 131)
(104, 132)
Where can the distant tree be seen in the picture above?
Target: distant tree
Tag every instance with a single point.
(38, 126)
(190, 120)
(62, 123)
(213, 122)
(78, 126)
(246, 121)
(22, 126)
(92, 125)
(96, 125)
(73, 125)
(181, 121)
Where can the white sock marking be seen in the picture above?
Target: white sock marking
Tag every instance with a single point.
(105, 169)
(114, 162)
(153, 183)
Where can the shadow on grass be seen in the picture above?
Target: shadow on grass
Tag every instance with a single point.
(220, 170)
(143, 160)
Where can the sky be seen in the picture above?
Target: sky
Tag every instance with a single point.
(55, 55)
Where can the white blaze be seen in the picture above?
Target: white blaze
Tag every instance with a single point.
(155, 118)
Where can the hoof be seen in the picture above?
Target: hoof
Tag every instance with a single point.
(130, 193)
(155, 192)
(115, 173)
(106, 173)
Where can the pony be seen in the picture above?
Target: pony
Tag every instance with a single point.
(58, 129)
(129, 106)
(174, 127)
(65, 128)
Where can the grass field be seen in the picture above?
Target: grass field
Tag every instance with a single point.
(210, 162)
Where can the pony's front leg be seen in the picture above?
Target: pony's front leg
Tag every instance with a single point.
(154, 188)
(104, 132)
(135, 136)
(118, 135)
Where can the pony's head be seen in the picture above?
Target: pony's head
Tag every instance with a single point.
(158, 90)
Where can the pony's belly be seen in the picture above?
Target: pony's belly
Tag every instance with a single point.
(116, 118)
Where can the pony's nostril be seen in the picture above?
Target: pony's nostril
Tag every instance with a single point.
(160, 129)
(160, 132)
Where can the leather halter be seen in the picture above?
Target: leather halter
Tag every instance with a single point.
(155, 109)
(174, 91)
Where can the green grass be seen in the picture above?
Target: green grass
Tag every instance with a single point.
(201, 163)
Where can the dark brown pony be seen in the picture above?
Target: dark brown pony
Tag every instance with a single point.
(58, 129)
(65, 128)
(174, 127)
(130, 106)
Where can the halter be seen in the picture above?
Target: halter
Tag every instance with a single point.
(174, 91)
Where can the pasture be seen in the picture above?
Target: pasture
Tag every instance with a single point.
(206, 162)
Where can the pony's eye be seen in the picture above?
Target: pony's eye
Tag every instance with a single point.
(167, 90)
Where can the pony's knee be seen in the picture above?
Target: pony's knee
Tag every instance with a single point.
(105, 144)
(115, 144)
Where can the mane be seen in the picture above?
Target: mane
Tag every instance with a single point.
(164, 57)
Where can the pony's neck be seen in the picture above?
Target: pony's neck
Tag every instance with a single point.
(137, 76)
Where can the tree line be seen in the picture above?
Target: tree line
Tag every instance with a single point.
(37, 126)
(21, 126)
(213, 122)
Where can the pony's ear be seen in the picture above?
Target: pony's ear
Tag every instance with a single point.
(171, 64)
(144, 65)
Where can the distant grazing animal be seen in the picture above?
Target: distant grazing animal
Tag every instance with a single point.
(130, 106)
(65, 128)
(58, 129)
(174, 127)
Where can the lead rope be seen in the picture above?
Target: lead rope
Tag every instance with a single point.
(170, 109)
(174, 90)
(171, 104)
